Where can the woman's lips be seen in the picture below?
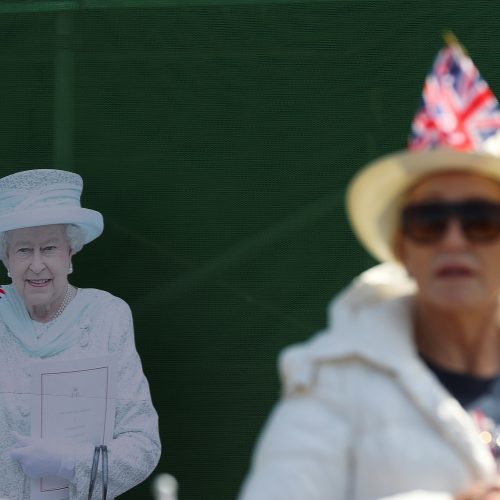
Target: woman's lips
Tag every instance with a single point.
(39, 283)
(454, 271)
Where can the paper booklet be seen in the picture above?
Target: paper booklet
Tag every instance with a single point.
(71, 399)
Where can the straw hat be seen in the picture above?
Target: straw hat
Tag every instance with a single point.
(457, 128)
(44, 196)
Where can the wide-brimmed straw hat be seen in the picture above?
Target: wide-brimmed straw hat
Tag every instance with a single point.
(457, 128)
(46, 196)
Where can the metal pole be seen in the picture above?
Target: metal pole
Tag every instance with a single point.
(63, 92)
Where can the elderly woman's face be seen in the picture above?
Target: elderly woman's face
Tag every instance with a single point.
(456, 270)
(38, 259)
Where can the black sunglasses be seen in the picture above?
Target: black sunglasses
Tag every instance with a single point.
(427, 223)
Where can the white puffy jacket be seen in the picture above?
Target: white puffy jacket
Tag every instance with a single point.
(361, 416)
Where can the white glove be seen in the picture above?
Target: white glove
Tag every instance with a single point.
(45, 457)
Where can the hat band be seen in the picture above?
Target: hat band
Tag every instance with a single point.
(63, 194)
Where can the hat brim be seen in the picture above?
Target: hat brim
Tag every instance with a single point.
(90, 221)
(375, 193)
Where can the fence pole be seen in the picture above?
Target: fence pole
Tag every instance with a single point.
(64, 92)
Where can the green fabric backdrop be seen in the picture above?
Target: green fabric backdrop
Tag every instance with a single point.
(217, 140)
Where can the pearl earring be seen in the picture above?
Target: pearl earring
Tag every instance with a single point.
(8, 274)
(70, 270)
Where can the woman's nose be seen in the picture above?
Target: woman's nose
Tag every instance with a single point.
(454, 236)
(37, 264)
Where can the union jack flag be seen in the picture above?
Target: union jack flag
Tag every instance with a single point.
(458, 108)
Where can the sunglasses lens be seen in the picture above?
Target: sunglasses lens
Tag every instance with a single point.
(425, 223)
(480, 221)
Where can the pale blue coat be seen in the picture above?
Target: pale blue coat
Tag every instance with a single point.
(135, 449)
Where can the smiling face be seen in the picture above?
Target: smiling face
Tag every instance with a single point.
(454, 273)
(38, 259)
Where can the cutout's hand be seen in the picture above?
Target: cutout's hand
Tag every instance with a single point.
(44, 457)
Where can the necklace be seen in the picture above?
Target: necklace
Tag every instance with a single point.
(66, 300)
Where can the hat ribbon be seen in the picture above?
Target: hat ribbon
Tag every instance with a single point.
(62, 194)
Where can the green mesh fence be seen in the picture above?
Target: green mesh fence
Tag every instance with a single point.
(217, 139)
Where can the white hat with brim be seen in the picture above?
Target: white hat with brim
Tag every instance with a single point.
(90, 221)
(375, 194)
(43, 197)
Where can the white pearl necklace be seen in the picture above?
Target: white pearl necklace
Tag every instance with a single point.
(68, 296)
(42, 328)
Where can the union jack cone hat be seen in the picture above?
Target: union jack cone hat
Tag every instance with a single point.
(457, 128)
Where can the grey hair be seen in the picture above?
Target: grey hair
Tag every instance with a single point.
(74, 236)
